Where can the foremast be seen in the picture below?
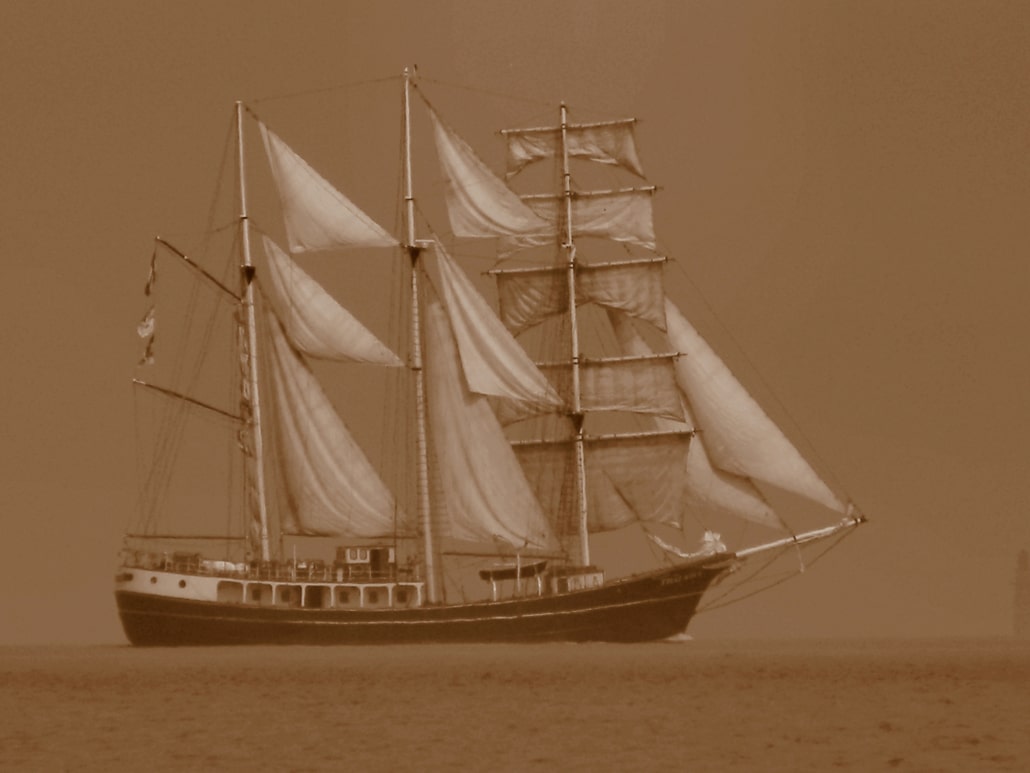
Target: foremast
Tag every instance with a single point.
(250, 398)
(590, 380)
(569, 248)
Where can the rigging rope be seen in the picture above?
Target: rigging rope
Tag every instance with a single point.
(322, 90)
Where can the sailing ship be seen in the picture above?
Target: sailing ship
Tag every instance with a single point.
(513, 463)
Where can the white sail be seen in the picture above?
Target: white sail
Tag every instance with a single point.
(620, 215)
(313, 321)
(527, 296)
(739, 436)
(642, 474)
(630, 478)
(493, 362)
(317, 216)
(331, 486)
(635, 384)
(707, 488)
(485, 491)
(633, 286)
(479, 204)
(610, 142)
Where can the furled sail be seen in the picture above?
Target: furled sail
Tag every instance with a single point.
(252, 500)
(313, 321)
(485, 492)
(332, 488)
(630, 478)
(479, 204)
(623, 215)
(493, 362)
(608, 142)
(707, 488)
(739, 436)
(317, 216)
(527, 296)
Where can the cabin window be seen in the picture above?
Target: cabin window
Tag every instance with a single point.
(316, 597)
(287, 596)
(348, 597)
(230, 592)
(402, 596)
(260, 593)
(373, 596)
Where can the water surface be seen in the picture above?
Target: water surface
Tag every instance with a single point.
(958, 705)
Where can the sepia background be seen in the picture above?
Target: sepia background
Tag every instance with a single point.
(846, 182)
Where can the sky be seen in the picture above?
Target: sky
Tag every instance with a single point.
(845, 184)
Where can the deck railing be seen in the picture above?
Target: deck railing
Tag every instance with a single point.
(286, 571)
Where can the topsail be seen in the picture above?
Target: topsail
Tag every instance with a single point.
(608, 142)
(317, 216)
(479, 204)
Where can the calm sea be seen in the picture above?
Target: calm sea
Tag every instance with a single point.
(692, 705)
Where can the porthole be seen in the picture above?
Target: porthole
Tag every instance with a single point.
(153, 579)
(182, 583)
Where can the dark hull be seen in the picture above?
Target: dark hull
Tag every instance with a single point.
(642, 608)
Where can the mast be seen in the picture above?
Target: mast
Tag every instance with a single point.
(414, 251)
(577, 408)
(250, 323)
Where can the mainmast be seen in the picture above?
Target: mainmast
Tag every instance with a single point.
(414, 251)
(250, 325)
(569, 247)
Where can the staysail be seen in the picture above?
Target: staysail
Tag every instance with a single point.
(314, 322)
(317, 216)
(739, 436)
(493, 362)
(485, 492)
(331, 486)
(479, 204)
(707, 488)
